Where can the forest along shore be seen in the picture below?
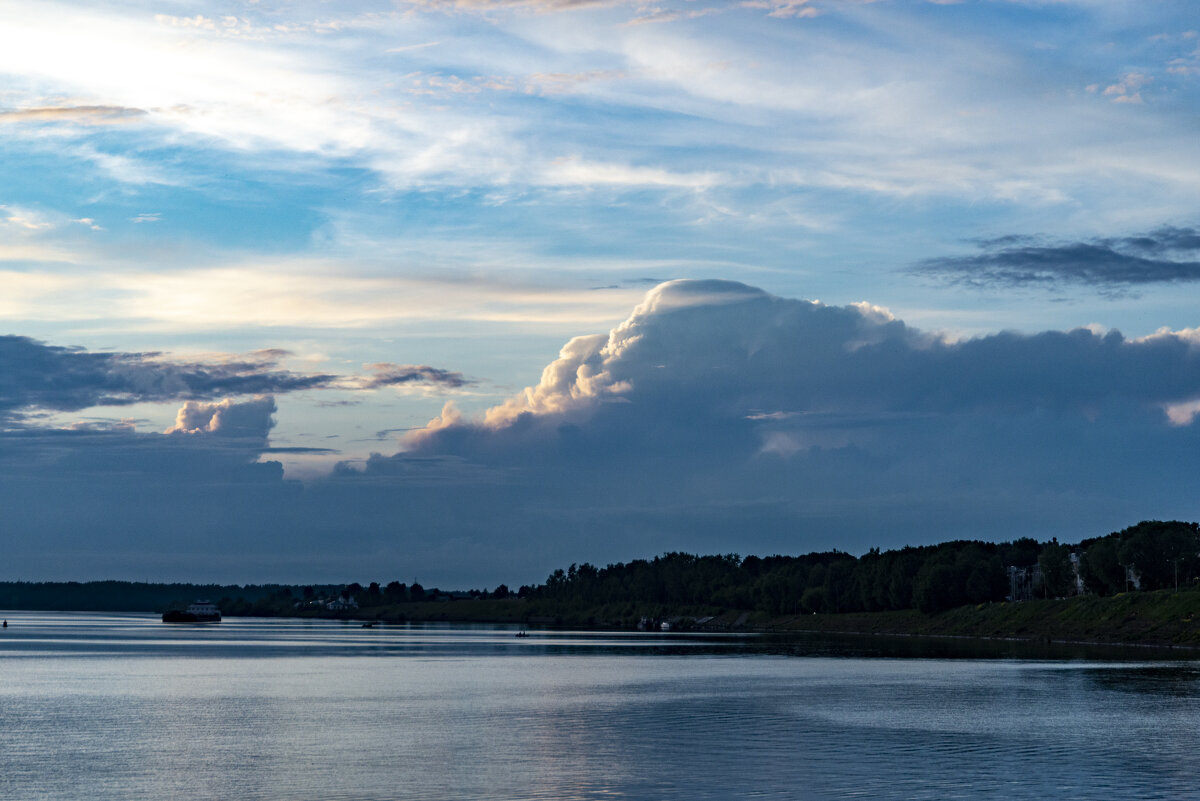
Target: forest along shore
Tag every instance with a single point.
(1140, 585)
(1159, 617)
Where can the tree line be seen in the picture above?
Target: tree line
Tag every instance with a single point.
(1149, 556)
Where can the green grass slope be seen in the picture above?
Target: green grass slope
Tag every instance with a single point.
(1150, 618)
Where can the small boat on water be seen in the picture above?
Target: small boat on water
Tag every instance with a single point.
(198, 612)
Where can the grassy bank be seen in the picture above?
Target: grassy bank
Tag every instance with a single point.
(1145, 618)
(1149, 618)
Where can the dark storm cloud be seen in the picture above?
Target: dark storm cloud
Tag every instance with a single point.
(38, 376)
(390, 375)
(34, 375)
(1166, 255)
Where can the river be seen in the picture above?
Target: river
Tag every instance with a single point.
(108, 706)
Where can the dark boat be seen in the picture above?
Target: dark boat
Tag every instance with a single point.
(199, 612)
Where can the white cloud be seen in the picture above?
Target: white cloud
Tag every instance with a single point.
(1128, 89)
(202, 85)
(24, 219)
(407, 48)
(1182, 414)
(227, 418)
(572, 171)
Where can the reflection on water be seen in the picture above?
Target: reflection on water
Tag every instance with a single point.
(124, 707)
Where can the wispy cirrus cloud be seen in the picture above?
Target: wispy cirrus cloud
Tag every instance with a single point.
(1164, 255)
(82, 115)
(539, 6)
(561, 82)
(538, 83)
(784, 9)
(572, 171)
(650, 16)
(325, 293)
(307, 100)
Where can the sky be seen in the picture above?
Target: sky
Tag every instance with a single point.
(464, 291)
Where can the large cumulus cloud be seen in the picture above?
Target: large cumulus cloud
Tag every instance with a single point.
(720, 417)
(713, 350)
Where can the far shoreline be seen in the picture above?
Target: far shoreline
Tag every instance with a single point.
(776, 628)
(1163, 619)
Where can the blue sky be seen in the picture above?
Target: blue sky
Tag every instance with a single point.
(252, 249)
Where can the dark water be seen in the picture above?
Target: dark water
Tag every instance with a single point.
(125, 707)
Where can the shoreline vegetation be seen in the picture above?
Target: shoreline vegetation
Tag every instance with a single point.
(1138, 586)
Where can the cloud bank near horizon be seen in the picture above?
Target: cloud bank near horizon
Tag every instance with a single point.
(716, 418)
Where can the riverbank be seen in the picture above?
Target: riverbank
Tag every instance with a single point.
(1161, 618)
(1135, 618)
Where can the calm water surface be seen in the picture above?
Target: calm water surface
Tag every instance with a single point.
(125, 707)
